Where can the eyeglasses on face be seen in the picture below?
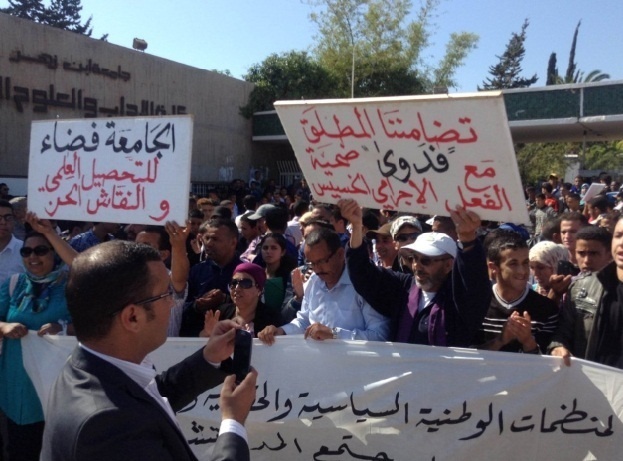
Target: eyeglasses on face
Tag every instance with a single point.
(423, 260)
(142, 302)
(321, 262)
(39, 250)
(168, 293)
(243, 283)
(7, 218)
(405, 237)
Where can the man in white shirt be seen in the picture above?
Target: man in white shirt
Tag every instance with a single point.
(108, 403)
(10, 259)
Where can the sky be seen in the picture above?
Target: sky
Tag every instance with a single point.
(235, 34)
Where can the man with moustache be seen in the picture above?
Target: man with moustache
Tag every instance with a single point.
(445, 301)
(331, 309)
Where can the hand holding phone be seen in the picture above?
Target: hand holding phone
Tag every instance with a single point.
(242, 354)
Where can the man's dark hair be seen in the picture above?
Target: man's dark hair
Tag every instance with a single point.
(300, 208)
(548, 187)
(324, 235)
(163, 237)
(598, 234)
(222, 211)
(197, 214)
(540, 196)
(370, 220)
(277, 220)
(574, 216)
(530, 189)
(103, 280)
(249, 202)
(6, 204)
(574, 196)
(220, 222)
(600, 202)
(550, 227)
(501, 240)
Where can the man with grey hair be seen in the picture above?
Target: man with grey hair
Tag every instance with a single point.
(20, 206)
(445, 300)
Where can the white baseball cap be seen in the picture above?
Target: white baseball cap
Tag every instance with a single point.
(433, 244)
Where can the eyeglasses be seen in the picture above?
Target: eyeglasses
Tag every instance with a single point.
(405, 237)
(321, 262)
(244, 283)
(8, 218)
(168, 293)
(39, 250)
(423, 260)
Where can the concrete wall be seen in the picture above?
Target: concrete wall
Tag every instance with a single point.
(47, 73)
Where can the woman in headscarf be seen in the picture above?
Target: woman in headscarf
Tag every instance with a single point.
(245, 288)
(544, 257)
(33, 300)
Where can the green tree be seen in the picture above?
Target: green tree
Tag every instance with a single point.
(506, 73)
(607, 156)
(290, 75)
(62, 14)
(573, 74)
(65, 14)
(552, 70)
(369, 44)
(537, 160)
(32, 10)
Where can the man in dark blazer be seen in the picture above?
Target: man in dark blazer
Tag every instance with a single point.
(108, 403)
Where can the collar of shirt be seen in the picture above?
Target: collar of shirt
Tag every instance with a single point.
(144, 375)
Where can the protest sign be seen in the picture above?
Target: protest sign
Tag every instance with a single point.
(329, 400)
(423, 154)
(124, 170)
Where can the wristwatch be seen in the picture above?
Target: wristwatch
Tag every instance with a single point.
(334, 331)
(465, 245)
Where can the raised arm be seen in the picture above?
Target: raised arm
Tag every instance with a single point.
(180, 266)
(61, 247)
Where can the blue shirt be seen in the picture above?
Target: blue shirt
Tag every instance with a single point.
(339, 307)
(18, 398)
(87, 240)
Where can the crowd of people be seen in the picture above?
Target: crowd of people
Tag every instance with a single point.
(274, 262)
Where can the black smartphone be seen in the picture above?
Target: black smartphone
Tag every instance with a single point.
(242, 354)
(566, 268)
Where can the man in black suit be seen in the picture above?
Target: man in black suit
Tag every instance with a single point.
(108, 403)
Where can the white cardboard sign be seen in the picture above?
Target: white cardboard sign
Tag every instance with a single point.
(423, 154)
(123, 170)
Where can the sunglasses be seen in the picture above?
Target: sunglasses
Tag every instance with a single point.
(423, 260)
(244, 283)
(405, 237)
(39, 250)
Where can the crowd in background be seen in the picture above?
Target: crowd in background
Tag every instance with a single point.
(277, 262)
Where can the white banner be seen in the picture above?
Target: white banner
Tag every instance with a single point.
(380, 401)
(123, 170)
(423, 154)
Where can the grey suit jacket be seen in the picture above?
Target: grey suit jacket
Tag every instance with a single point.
(96, 412)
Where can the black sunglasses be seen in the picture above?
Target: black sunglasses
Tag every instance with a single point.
(423, 260)
(405, 237)
(39, 250)
(244, 283)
